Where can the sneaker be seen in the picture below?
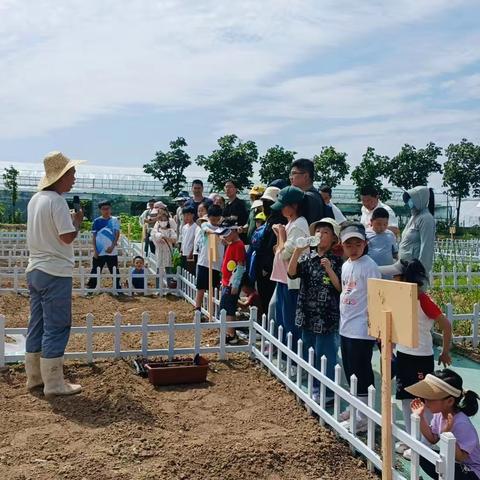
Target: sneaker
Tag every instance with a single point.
(400, 447)
(232, 340)
(266, 348)
(407, 454)
(361, 425)
(293, 371)
(316, 395)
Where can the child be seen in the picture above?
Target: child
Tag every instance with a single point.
(356, 345)
(382, 244)
(442, 393)
(233, 268)
(164, 237)
(207, 228)
(188, 238)
(318, 312)
(138, 272)
(290, 202)
(253, 298)
(255, 240)
(413, 364)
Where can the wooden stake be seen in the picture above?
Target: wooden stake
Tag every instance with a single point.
(386, 338)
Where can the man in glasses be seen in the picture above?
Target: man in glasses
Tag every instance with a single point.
(302, 173)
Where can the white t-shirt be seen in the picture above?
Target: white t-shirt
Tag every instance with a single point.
(188, 238)
(48, 218)
(337, 213)
(353, 299)
(203, 253)
(367, 215)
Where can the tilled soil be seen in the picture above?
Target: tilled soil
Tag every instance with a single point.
(240, 424)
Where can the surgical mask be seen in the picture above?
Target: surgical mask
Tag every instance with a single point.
(163, 224)
(410, 203)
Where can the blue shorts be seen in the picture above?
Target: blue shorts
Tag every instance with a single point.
(229, 302)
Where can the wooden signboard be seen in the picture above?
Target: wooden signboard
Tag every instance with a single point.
(392, 317)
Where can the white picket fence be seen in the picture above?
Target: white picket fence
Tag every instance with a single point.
(456, 279)
(258, 348)
(444, 460)
(473, 317)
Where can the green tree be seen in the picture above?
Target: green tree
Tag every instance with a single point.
(234, 159)
(412, 167)
(168, 167)
(369, 173)
(276, 163)
(331, 167)
(461, 172)
(10, 181)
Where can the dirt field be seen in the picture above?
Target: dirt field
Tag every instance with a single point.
(241, 424)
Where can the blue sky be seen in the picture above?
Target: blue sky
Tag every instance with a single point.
(111, 81)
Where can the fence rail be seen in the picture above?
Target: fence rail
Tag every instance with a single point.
(456, 278)
(266, 348)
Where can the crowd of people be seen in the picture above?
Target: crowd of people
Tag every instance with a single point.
(295, 256)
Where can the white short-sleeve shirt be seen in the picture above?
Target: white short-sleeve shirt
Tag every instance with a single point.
(367, 215)
(48, 217)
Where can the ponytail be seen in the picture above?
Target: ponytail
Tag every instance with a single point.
(468, 403)
(431, 201)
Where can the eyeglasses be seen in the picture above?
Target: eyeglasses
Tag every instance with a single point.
(292, 174)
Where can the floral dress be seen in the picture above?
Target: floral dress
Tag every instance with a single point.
(164, 248)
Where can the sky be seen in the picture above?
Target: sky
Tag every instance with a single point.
(112, 81)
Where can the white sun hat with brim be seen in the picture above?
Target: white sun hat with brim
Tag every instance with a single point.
(56, 165)
(271, 193)
(433, 388)
(256, 204)
(326, 221)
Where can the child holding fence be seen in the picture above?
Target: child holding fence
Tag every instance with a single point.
(318, 311)
(413, 364)
(355, 342)
(443, 395)
(138, 273)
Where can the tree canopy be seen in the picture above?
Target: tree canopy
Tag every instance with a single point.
(233, 159)
(331, 167)
(461, 172)
(168, 167)
(412, 167)
(276, 163)
(10, 180)
(369, 173)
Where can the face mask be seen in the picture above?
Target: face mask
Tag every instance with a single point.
(163, 224)
(410, 203)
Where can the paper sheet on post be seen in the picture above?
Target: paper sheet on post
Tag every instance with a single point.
(401, 299)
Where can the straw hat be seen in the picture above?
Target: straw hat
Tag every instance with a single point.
(56, 165)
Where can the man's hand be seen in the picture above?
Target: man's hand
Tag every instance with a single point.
(417, 407)
(445, 359)
(110, 249)
(77, 218)
(95, 253)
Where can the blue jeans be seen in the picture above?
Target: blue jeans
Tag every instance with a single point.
(285, 312)
(323, 344)
(50, 313)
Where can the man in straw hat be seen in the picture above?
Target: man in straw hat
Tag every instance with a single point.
(51, 229)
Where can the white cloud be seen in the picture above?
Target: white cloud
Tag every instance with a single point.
(65, 62)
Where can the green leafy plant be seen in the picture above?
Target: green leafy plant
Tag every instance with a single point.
(276, 163)
(331, 167)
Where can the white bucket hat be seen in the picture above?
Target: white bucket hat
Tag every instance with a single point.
(56, 165)
(271, 193)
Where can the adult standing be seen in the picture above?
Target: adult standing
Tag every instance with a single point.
(418, 236)
(235, 207)
(302, 174)
(197, 196)
(51, 229)
(326, 193)
(370, 201)
(147, 221)
(105, 235)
